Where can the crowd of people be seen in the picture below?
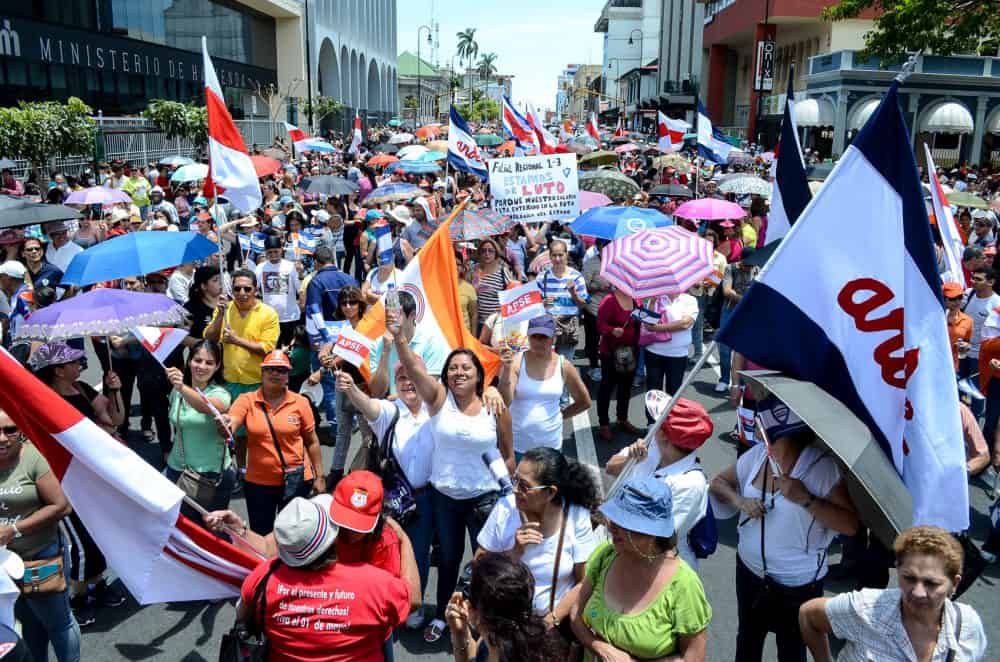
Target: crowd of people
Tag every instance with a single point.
(558, 572)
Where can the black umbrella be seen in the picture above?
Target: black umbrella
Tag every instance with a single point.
(387, 148)
(7, 164)
(672, 191)
(17, 212)
(328, 185)
(760, 256)
(878, 493)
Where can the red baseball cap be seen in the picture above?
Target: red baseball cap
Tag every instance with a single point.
(357, 501)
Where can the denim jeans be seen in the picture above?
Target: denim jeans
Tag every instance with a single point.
(591, 339)
(664, 373)
(725, 352)
(264, 501)
(421, 533)
(345, 426)
(452, 519)
(329, 383)
(621, 384)
(992, 414)
(47, 618)
(698, 330)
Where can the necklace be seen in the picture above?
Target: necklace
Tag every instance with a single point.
(648, 558)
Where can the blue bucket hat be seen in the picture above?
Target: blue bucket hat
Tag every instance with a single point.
(644, 505)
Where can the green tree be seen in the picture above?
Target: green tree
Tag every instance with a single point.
(41, 130)
(468, 49)
(940, 26)
(486, 66)
(484, 109)
(323, 106)
(179, 120)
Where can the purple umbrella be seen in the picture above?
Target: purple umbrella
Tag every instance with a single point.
(101, 312)
(655, 262)
(710, 209)
(97, 195)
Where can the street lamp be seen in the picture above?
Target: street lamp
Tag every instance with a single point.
(618, 72)
(419, 88)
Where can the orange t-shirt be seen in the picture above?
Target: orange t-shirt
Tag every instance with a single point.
(959, 329)
(292, 420)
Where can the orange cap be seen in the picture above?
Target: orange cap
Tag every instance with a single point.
(952, 290)
(276, 359)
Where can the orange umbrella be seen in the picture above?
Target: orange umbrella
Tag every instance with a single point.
(506, 148)
(437, 146)
(265, 165)
(382, 160)
(427, 132)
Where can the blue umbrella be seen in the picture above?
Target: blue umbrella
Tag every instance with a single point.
(613, 222)
(413, 167)
(135, 254)
(315, 145)
(433, 156)
(391, 193)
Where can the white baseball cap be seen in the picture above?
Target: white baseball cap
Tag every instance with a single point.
(13, 269)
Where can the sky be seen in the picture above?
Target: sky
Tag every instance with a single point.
(533, 39)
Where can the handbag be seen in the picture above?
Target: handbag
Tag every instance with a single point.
(195, 485)
(575, 648)
(246, 642)
(624, 358)
(397, 491)
(295, 478)
(647, 337)
(43, 576)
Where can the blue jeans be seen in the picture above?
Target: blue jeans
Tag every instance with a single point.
(329, 383)
(421, 532)
(46, 618)
(265, 501)
(452, 518)
(725, 352)
(698, 330)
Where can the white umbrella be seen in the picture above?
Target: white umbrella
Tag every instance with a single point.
(746, 184)
(400, 138)
(411, 152)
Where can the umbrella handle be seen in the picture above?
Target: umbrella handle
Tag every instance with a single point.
(107, 344)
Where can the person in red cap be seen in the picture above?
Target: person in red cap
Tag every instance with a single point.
(673, 460)
(959, 324)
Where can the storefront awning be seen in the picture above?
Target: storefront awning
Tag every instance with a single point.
(861, 113)
(814, 112)
(993, 126)
(949, 117)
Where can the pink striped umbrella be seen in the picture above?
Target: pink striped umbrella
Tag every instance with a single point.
(627, 147)
(710, 209)
(589, 200)
(655, 262)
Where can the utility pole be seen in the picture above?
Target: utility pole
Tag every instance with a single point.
(309, 84)
(420, 90)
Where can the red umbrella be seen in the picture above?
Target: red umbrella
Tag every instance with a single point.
(427, 132)
(265, 166)
(382, 160)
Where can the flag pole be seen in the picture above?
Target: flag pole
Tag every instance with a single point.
(232, 532)
(651, 432)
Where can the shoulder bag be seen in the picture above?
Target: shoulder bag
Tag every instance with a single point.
(194, 484)
(396, 488)
(246, 642)
(574, 648)
(295, 477)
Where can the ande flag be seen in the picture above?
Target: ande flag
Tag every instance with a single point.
(463, 154)
(131, 510)
(867, 323)
(521, 303)
(789, 189)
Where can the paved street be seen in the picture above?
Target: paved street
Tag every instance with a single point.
(191, 632)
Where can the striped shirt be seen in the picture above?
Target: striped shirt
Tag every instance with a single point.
(556, 287)
(488, 287)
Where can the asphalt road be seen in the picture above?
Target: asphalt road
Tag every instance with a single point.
(191, 632)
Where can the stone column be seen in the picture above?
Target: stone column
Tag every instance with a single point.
(840, 124)
(978, 129)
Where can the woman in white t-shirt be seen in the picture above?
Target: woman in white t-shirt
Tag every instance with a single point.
(666, 342)
(791, 505)
(547, 517)
(377, 282)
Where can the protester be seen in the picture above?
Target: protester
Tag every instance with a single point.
(665, 343)
(34, 503)
(385, 357)
(202, 300)
(278, 282)
(639, 599)
(491, 277)
(498, 606)
(61, 250)
(918, 620)
(978, 305)
(597, 289)
(736, 282)
(704, 292)
(795, 490)
(618, 350)
(283, 453)
(533, 389)
(564, 292)
(41, 272)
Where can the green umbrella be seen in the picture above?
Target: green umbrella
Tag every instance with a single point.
(488, 140)
(966, 199)
(394, 122)
(611, 183)
(603, 157)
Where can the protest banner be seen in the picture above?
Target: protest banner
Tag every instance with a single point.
(353, 347)
(535, 188)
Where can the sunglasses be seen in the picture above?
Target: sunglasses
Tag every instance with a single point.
(979, 224)
(350, 302)
(34, 249)
(10, 430)
(242, 288)
(280, 371)
(523, 488)
(958, 298)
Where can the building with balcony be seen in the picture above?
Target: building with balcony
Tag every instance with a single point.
(950, 103)
(564, 86)
(639, 88)
(582, 100)
(631, 39)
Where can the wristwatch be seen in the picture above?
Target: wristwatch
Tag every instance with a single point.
(17, 534)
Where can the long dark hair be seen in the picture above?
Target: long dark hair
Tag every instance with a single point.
(212, 348)
(502, 591)
(354, 293)
(575, 482)
(480, 371)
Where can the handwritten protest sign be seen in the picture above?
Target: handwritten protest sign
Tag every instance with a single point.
(535, 188)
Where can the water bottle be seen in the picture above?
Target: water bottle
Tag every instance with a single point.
(392, 299)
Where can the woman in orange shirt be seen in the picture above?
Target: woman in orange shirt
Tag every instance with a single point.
(959, 324)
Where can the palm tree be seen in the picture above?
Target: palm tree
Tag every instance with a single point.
(469, 49)
(454, 84)
(486, 66)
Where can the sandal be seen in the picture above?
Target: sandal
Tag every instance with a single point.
(435, 630)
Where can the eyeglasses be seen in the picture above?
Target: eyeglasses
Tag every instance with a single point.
(523, 488)
(280, 371)
(10, 430)
(953, 299)
(242, 288)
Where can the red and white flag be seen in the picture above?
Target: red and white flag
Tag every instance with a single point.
(670, 132)
(159, 342)
(353, 347)
(521, 303)
(131, 510)
(356, 139)
(620, 129)
(592, 128)
(295, 134)
(230, 167)
(546, 142)
(951, 239)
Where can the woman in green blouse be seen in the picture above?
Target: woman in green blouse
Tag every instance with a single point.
(197, 442)
(639, 600)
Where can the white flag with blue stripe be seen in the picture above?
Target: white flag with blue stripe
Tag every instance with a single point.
(463, 153)
(790, 193)
(712, 145)
(866, 320)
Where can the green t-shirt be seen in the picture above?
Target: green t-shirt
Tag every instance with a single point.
(680, 610)
(203, 447)
(19, 499)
